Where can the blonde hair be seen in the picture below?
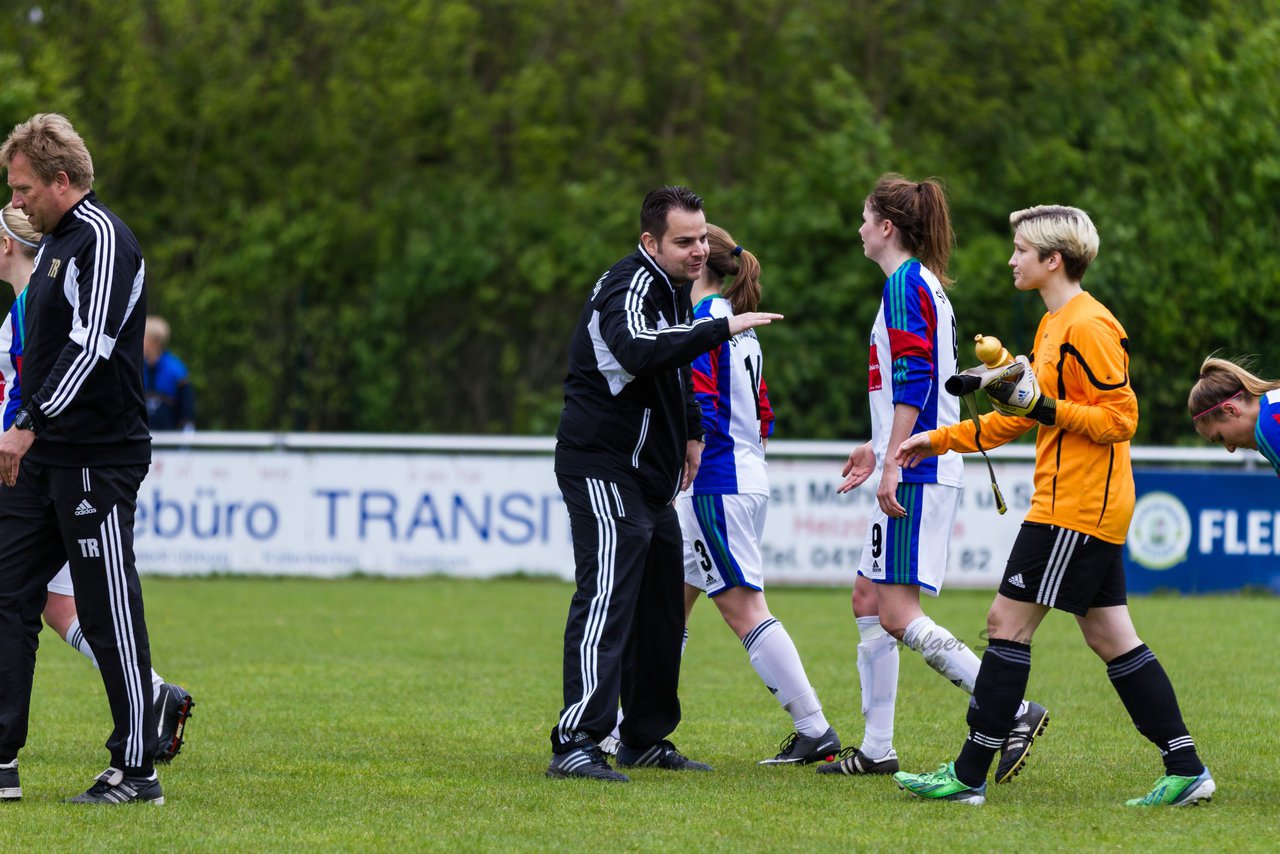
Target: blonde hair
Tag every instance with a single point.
(726, 258)
(1221, 380)
(52, 145)
(18, 228)
(158, 328)
(1062, 229)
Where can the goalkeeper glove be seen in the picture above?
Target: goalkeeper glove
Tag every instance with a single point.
(1016, 392)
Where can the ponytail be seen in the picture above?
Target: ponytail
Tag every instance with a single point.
(727, 259)
(1222, 380)
(919, 212)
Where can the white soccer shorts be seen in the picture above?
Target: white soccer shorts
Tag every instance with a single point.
(722, 540)
(62, 582)
(912, 550)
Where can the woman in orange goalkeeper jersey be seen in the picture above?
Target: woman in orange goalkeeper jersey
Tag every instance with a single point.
(1074, 391)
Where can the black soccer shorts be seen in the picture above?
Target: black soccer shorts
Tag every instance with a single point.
(1064, 569)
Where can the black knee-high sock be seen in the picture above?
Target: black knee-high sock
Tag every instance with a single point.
(997, 693)
(1147, 694)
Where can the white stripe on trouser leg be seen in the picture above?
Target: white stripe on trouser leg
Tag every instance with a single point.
(84, 479)
(598, 610)
(126, 641)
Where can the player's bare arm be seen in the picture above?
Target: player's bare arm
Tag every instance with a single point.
(860, 466)
(904, 420)
(692, 462)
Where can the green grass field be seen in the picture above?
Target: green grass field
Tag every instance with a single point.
(377, 715)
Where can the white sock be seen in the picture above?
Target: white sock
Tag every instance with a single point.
(76, 640)
(774, 657)
(616, 732)
(878, 675)
(943, 652)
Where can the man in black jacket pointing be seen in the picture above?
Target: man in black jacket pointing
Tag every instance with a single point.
(630, 438)
(76, 454)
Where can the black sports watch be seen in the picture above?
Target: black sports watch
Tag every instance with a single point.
(23, 421)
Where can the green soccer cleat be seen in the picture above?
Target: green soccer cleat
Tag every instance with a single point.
(1178, 792)
(942, 785)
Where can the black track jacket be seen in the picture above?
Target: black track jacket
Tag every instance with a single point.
(82, 350)
(629, 408)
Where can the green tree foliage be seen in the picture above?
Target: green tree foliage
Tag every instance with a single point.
(386, 215)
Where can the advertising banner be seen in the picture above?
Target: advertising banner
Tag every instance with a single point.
(1198, 532)
(479, 515)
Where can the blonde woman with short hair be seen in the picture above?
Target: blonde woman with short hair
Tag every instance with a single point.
(1074, 392)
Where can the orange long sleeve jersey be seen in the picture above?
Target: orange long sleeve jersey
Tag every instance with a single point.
(1083, 477)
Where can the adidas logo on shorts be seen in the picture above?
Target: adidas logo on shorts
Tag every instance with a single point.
(1015, 580)
(85, 508)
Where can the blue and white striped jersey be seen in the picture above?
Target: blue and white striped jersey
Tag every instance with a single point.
(1267, 432)
(913, 352)
(729, 385)
(11, 361)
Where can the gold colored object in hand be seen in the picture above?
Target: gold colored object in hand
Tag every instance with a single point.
(990, 351)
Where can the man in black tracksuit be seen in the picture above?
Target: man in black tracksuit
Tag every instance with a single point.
(76, 454)
(630, 425)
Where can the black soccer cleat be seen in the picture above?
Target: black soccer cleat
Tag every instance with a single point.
(1017, 747)
(586, 761)
(173, 707)
(661, 755)
(113, 787)
(854, 762)
(800, 749)
(10, 788)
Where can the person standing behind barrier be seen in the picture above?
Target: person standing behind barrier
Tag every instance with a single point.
(1231, 407)
(77, 452)
(906, 230)
(170, 398)
(630, 437)
(723, 515)
(1068, 552)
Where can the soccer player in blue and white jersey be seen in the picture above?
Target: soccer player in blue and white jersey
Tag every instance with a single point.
(722, 515)
(906, 230)
(1233, 408)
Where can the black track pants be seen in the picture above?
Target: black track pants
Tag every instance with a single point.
(626, 618)
(85, 516)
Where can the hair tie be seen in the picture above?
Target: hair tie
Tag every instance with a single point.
(919, 188)
(737, 251)
(16, 237)
(1216, 405)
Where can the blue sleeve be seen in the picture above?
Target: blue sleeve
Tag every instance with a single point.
(1268, 432)
(912, 324)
